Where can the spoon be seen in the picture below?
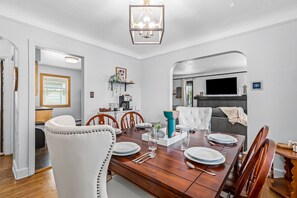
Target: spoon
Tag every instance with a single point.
(150, 156)
(194, 167)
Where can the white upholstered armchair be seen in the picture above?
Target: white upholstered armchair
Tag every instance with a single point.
(80, 157)
(195, 117)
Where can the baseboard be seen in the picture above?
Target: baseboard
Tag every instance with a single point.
(19, 173)
(278, 173)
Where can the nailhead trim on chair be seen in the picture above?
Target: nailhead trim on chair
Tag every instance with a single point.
(108, 154)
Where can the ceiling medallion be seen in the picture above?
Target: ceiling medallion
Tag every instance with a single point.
(146, 23)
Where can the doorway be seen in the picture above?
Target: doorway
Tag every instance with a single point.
(8, 101)
(58, 91)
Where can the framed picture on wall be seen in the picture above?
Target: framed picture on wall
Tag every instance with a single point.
(122, 72)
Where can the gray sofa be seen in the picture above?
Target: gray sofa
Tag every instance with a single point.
(220, 123)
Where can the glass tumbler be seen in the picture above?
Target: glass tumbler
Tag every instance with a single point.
(184, 139)
(207, 130)
(152, 139)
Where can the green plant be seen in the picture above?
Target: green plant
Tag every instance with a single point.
(157, 125)
(113, 80)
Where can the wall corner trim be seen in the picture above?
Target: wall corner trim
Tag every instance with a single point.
(19, 173)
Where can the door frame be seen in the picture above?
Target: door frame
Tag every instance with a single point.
(31, 111)
(1, 108)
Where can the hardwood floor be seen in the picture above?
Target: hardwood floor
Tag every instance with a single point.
(42, 184)
(42, 159)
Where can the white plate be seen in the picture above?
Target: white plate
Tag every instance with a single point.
(125, 147)
(117, 131)
(204, 153)
(126, 154)
(222, 138)
(205, 162)
(143, 125)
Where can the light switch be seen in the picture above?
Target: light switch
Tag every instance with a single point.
(91, 94)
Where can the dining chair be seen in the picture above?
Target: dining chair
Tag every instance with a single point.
(103, 119)
(130, 119)
(254, 175)
(236, 173)
(80, 156)
(195, 117)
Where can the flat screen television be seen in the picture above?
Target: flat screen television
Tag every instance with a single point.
(221, 86)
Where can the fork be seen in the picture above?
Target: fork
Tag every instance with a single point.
(151, 156)
(141, 157)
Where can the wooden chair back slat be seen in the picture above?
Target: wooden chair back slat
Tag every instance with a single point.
(261, 136)
(257, 169)
(102, 119)
(130, 119)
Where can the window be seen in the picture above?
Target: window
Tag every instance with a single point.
(54, 90)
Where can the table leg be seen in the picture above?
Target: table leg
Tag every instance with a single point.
(294, 182)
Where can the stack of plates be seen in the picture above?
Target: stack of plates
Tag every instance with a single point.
(204, 155)
(222, 138)
(143, 125)
(125, 148)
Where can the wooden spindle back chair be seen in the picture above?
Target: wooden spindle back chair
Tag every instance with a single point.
(103, 119)
(254, 175)
(260, 138)
(130, 119)
(239, 167)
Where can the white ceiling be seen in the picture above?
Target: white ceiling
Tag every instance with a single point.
(187, 22)
(222, 63)
(57, 59)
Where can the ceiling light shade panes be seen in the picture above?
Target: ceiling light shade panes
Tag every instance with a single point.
(146, 24)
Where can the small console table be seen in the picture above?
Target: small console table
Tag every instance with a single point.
(287, 186)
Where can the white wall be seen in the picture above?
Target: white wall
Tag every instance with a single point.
(75, 90)
(99, 64)
(271, 57)
(199, 85)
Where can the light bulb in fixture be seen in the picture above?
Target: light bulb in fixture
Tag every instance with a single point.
(232, 5)
(152, 25)
(71, 59)
(146, 19)
(140, 24)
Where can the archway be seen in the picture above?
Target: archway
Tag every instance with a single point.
(216, 81)
(9, 88)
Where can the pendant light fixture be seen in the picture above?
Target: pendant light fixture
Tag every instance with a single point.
(146, 23)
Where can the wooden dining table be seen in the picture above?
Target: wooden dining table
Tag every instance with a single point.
(167, 175)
